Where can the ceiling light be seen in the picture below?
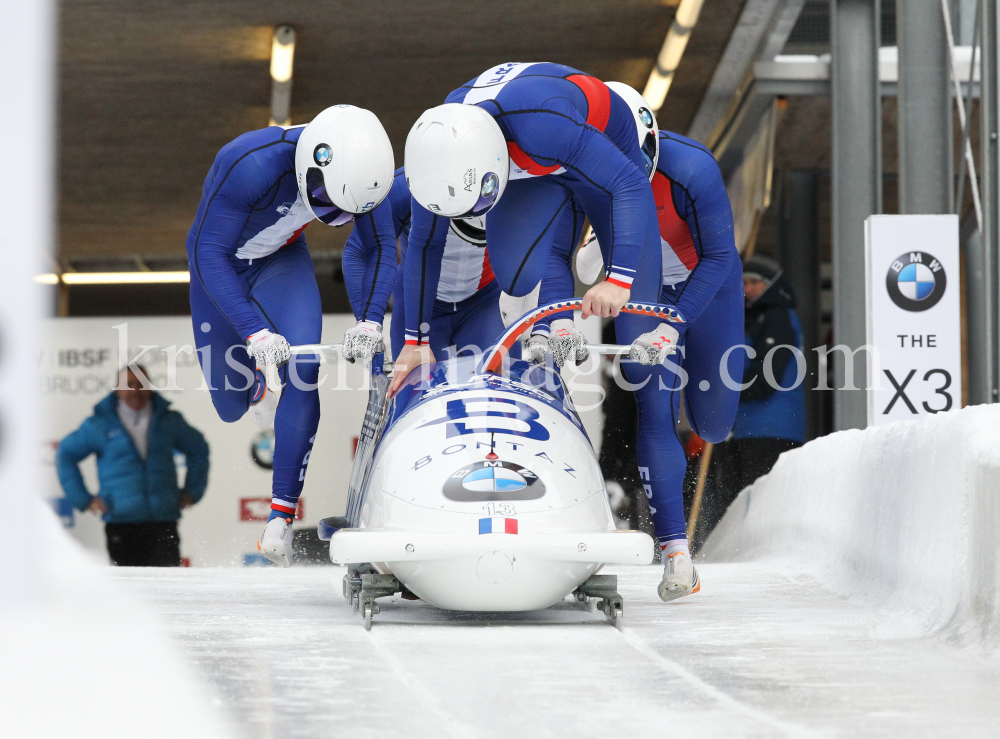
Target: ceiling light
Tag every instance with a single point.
(113, 278)
(282, 53)
(670, 54)
(282, 58)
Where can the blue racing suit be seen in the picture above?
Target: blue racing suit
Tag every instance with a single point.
(251, 270)
(703, 279)
(572, 146)
(466, 312)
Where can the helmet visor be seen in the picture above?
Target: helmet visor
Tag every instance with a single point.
(649, 153)
(320, 203)
(489, 191)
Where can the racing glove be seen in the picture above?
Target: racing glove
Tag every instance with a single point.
(536, 349)
(268, 348)
(363, 341)
(566, 342)
(654, 346)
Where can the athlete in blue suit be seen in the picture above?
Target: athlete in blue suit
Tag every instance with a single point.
(571, 134)
(253, 287)
(702, 278)
(547, 138)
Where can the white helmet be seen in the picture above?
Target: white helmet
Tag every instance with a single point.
(456, 160)
(343, 163)
(645, 123)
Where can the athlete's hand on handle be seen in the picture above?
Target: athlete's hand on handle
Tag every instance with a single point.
(411, 357)
(268, 348)
(536, 349)
(566, 343)
(654, 346)
(363, 341)
(605, 299)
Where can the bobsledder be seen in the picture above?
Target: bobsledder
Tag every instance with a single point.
(476, 488)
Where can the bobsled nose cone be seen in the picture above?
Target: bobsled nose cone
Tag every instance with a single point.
(494, 568)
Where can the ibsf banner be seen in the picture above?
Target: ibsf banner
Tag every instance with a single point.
(914, 316)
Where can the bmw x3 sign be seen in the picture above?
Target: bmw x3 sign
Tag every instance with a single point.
(914, 316)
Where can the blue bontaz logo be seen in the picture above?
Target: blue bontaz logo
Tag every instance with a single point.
(462, 420)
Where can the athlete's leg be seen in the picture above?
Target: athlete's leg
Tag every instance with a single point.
(442, 327)
(711, 411)
(286, 294)
(478, 323)
(659, 452)
(521, 229)
(710, 405)
(558, 283)
(227, 367)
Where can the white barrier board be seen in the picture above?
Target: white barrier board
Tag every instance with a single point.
(78, 368)
(914, 316)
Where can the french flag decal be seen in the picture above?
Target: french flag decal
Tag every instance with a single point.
(497, 525)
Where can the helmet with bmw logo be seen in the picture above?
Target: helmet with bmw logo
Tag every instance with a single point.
(343, 163)
(456, 161)
(645, 124)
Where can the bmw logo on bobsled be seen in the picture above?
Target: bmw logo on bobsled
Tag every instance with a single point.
(476, 488)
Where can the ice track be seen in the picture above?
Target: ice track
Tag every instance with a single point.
(762, 651)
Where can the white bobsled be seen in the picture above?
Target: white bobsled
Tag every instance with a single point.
(476, 488)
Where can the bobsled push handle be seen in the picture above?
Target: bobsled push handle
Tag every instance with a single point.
(494, 359)
(324, 349)
(317, 348)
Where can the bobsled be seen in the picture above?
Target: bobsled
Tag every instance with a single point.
(476, 488)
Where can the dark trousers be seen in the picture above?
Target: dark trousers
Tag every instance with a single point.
(147, 544)
(737, 463)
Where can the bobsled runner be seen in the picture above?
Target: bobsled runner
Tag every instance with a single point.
(476, 488)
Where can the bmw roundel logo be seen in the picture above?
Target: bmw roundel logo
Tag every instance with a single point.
(490, 183)
(322, 154)
(646, 117)
(493, 480)
(916, 281)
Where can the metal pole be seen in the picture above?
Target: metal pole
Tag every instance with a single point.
(976, 317)
(799, 238)
(986, 389)
(857, 184)
(925, 129)
(966, 155)
(966, 119)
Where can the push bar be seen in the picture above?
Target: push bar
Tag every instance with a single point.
(493, 360)
(317, 349)
(602, 349)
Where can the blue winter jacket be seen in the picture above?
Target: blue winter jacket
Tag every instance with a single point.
(766, 411)
(134, 490)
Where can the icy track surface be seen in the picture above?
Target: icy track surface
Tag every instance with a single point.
(762, 651)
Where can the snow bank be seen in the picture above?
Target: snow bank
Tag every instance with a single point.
(905, 516)
(80, 659)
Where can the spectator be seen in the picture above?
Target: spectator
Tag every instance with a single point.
(770, 420)
(134, 434)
